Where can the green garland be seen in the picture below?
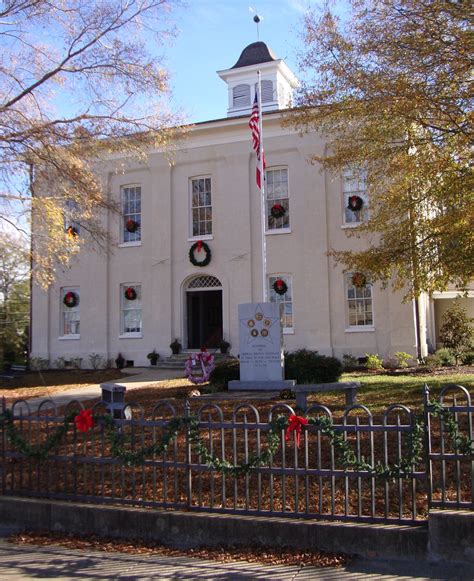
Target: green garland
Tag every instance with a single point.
(39, 452)
(344, 451)
(461, 444)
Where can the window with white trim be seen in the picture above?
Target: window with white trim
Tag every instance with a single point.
(285, 299)
(131, 309)
(70, 312)
(131, 213)
(201, 206)
(359, 304)
(71, 226)
(277, 195)
(355, 199)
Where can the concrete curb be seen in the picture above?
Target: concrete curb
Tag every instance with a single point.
(191, 529)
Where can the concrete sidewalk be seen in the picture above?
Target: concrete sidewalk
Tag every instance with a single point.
(19, 562)
(135, 378)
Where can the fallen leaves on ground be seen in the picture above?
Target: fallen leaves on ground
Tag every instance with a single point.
(263, 555)
(46, 383)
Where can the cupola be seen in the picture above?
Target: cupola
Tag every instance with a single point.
(278, 82)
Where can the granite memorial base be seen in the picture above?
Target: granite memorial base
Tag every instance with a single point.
(261, 385)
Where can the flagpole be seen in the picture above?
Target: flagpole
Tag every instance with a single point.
(262, 191)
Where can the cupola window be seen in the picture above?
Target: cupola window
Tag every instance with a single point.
(267, 91)
(241, 96)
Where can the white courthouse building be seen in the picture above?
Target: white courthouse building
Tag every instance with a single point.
(146, 291)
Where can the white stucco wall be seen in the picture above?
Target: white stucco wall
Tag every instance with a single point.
(160, 263)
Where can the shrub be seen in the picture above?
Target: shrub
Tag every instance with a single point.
(402, 359)
(76, 362)
(310, 367)
(38, 363)
(374, 362)
(390, 363)
(97, 361)
(468, 358)
(445, 357)
(225, 371)
(349, 361)
(431, 361)
(456, 331)
(60, 363)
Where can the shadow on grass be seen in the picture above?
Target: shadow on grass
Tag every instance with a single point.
(59, 377)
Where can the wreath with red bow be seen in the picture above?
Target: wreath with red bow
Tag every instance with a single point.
(280, 286)
(130, 293)
(200, 246)
(277, 211)
(72, 232)
(71, 299)
(355, 203)
(359, 280)
(131, 225)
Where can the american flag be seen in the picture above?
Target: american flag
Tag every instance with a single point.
(255, 129)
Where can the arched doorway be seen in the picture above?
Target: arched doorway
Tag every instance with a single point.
(204, 312)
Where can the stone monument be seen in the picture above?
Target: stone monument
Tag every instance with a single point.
(262, 365)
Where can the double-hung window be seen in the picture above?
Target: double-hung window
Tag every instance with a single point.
(131, 213)
(131, 309)
(355, 199)
(201, 206)
(359, 307)
(285, 299)
(70, 313)
(277, 195)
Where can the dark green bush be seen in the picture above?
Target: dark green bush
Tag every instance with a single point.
(468, 358)
(224, 372)
(445, 357)
(311, 367)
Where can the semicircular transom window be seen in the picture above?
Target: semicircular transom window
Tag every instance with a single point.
(201, 282)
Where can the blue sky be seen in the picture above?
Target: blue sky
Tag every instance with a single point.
(212, 34)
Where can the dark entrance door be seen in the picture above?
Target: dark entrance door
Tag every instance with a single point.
(204, 310)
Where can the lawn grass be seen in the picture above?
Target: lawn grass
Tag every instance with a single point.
(377, 391)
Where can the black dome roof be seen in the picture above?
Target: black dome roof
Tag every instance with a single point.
(254, 54)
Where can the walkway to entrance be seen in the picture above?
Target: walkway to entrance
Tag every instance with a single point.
(204, 312)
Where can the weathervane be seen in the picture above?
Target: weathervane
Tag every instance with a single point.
(257, 19)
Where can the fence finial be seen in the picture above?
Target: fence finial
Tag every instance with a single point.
(426, 394)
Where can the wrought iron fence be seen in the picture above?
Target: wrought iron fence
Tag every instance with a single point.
(450, 468)
(387, 468)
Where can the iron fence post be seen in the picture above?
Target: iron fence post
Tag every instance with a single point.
(427, 440)
(189, 490)
(4, 443)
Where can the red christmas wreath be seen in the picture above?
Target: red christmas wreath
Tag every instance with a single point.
(131, 225)
(355, 203)
(71, 299)
(130, 293)
(359, 280)
(200, 246)
(72, 232)
(277, 211)
(280, 286)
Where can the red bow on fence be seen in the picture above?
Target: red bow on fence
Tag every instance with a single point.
(295, 425)
(84, 421)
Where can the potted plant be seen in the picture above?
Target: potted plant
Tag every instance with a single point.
(224, 345)
(153, 357)
(175, 347)
(120, 361)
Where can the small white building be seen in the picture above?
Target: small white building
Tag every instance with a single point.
(203, 199)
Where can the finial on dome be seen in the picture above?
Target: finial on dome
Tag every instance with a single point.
(257, 19)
